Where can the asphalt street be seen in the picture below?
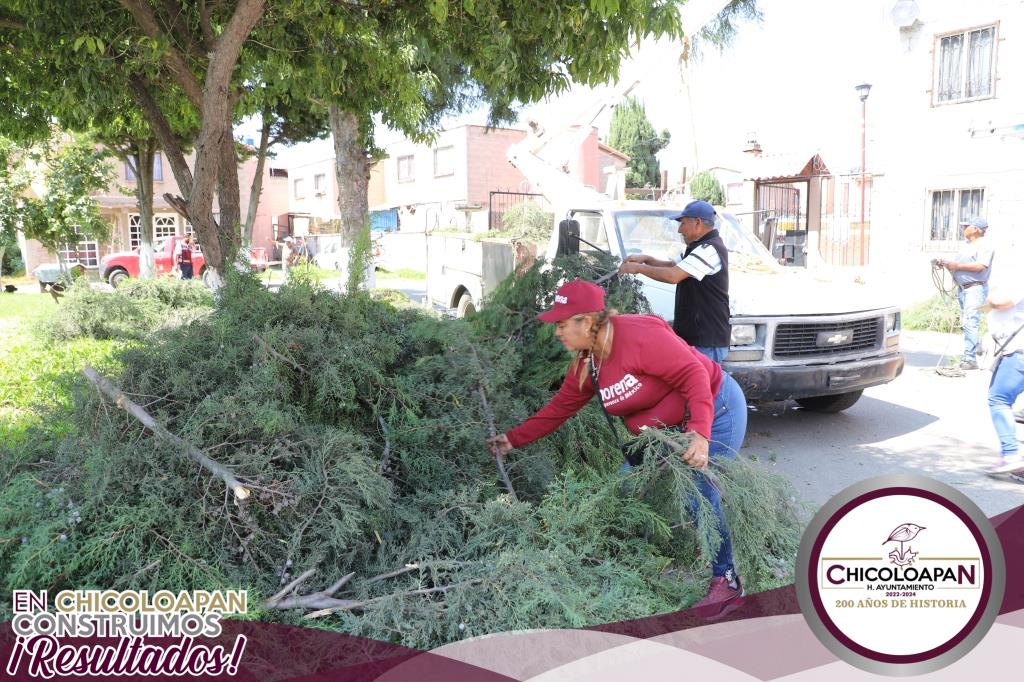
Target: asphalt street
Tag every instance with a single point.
(921, 423)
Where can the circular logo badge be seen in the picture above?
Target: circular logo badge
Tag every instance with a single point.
(900, 575)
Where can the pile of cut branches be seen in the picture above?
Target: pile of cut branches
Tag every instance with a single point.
(326, 453)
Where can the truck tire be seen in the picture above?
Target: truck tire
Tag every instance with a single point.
(465, 307)
(829, 404)
(116, 277)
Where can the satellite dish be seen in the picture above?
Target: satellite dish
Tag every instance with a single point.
(904, 13)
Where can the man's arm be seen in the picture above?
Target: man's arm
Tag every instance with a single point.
(668, 273)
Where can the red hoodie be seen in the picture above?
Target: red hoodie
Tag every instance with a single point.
(649, 378)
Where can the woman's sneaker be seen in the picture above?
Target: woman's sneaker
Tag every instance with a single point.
(1009, 465)
(725, 594)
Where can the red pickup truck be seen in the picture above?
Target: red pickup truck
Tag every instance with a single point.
(117, 267)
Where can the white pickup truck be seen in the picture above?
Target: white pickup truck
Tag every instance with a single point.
(794, 335)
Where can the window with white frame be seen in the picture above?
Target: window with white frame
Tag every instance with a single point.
(444, 161)
(134, 231)
(406, 169)
(86, 251)
(319, 184)
(965, 65)
(158, 168)
(950, 207)
(164, 226)
(299, 188)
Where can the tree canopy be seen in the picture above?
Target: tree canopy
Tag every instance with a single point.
(211, 63)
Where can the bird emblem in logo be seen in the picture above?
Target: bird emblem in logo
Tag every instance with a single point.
(904, 532)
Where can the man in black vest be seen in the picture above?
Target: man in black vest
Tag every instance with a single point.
(701, 276)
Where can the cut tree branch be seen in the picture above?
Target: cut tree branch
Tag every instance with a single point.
(266, 347)
(121, 400)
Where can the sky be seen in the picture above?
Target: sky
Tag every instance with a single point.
(789, 80)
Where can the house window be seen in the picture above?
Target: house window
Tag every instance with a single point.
(134, 231)
(300, 188)
(164, 226)
(84, 252)
(406, 170)
(444, 161)
(279, 172)
(950, 207)
(158, 168)
(965, 65)
(319, 184)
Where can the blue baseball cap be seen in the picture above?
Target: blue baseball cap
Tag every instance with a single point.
(977, 222)
(697, 209)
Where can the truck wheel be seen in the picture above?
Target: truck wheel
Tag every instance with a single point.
(116, 277)
(829, 404)
(465, 307)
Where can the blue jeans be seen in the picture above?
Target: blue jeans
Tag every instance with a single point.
(971, 301)
(1007, 383)
(716, 353)
(727, 432)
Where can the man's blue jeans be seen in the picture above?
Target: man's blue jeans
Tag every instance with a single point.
(971, 300)
(716, 353)
(727, 432)
(1007, 383)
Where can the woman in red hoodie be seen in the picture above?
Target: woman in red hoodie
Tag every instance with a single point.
(651, 378)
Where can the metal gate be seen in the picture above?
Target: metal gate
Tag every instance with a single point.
(500, 202)
(782, 219)
(844, 239)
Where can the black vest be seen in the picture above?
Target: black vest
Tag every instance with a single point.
(702, 306)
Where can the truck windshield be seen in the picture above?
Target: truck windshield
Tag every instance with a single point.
(654, 233)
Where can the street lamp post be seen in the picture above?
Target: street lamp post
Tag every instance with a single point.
(862, 91)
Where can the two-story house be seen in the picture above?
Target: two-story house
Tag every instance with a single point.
(121, 210)
(947, 132)
(459, 181)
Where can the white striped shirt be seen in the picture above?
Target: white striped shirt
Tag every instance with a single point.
(701, 262)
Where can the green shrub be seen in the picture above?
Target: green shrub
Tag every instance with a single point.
(132, 311)
(940, 313)
(527, 222)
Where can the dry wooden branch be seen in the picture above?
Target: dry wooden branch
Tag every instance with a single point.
(393, 574)
(121, 400)
(323, 599)
(387, 446)
(492, 432)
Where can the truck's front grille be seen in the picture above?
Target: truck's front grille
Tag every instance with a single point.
(827, 338)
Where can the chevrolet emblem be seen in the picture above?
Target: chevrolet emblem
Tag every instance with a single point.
(837, 338)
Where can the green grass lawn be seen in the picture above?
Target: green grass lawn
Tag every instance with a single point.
(401, 273)
(35, 375)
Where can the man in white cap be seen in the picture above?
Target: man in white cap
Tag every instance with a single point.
(970, 270)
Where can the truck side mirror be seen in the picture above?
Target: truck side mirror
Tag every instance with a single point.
(568, 238)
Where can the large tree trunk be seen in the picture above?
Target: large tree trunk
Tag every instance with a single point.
(257, 181)
(216, 161)
(352, 170)
(143, 152)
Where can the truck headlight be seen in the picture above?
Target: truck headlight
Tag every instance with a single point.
(892, 323)
(743, 335)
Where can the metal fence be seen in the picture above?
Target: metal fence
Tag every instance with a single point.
(498, 203)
